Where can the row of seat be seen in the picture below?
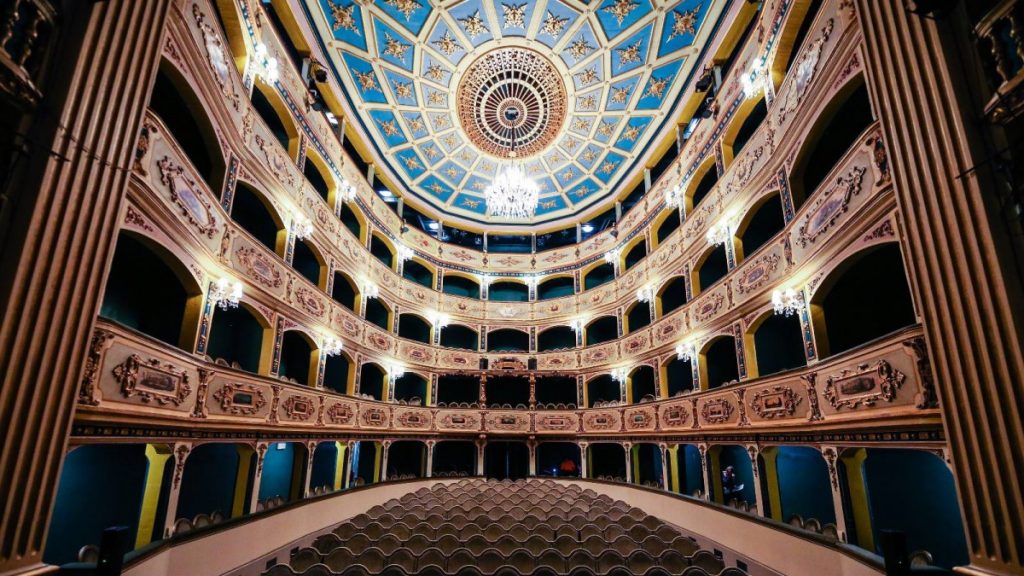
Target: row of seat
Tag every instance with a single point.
(517, 531)
(357, 570)
(507, 544)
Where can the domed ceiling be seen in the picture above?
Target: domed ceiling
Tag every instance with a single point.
(584, 89)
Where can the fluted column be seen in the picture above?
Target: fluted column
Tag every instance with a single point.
(960, 260)
(583, 460)
(628, 449)
(430, 458)
(55, 252)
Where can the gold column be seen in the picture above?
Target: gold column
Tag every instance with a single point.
(714, 471)
(239, 505)
(961, 259)
(771, 476)
(673, 459)
(57, 244)
(339, 466)
(853, 461)
(157, 456)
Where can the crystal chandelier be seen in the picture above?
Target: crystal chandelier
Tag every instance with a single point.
(620, 374)
(645, 294)
(512, 194)
(370, 290)
(686, 352)
(302, 227)
(331, 346)
(226, 293)
(787, 302)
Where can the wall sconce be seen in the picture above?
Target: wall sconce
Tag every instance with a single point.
(405, 253)
(721, 232)
(612, 256)
(674, 197)
(370, 290)
(439, 320)
(301, 226)
(620, 374)
(687, 352)
(577, 324)
(787, 302)
(226, 293)
(395, 371)
(266, 64)
(347, 191)
(331, 346)
(753, 81)
(645, 294)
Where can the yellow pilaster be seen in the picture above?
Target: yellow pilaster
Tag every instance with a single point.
(634, 458)
(853, 461)
(673, 465)
(339, 466)
(378, 454)
(771, 476)
(238, 501)
(715, 473)
(156, 462)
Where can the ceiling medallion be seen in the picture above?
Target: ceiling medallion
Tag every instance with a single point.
(511, 99)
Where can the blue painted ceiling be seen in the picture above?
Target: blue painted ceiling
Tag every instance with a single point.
(624, 64)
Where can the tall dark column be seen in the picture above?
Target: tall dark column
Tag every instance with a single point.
(959, 260)
(54, 256)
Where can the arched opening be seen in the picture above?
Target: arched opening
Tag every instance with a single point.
(556, 287)
(366, 462)
(602, 390)
(266, 104)
(506, 291)
(101, 485)
(678, 377)
(461, 337)
(508, 392)
(672, 296)
(638, 316)
(407, 459)
(718, 364)
(298, 358)
(416, 272)
(238, 338)
(556, 392)
(413, 327)
(454, 458)
(835, 131)
(704, 186)
(635, 254)
(344, 291)
(851, 307)
(778, 344)
(735, 475)
(378, 313)
(712, 268)
(646, 461)
(210, 483)
(316, 176)
(686, 474)
(641, 385)
(762, 224)
(556, 338)
(913, 492)
(411, 388)
(184, 116)
(328, 467)
(670, 224)
(508, 340)
(804, 488)
(308, 263)
(351, 220)
(253, 212)
(506, 460)
(558, 459)
(382, 251)
(338, 375)
(284, 473)
(150, 290)
(598, 276)
(791, 40)
(603, 329)
(461, 286)
(458, 391)
(755, 116)
(607, 461)
(372, 381)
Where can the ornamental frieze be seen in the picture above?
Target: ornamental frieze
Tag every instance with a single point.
(460, 421)
(152, 380)
(217, 57)
(340, 413)
(775, 402)
(259, 267)
(239, 399)
(507, 422)
(639, 418)
(188, 197)
(561, 422)
(349, 326)
(378, 340)
(834, 201)
(635, 344)
(757, 273)
(603, 421)
(412, 419)
(865, 385)
(278, 163)
(717, 411)
(300, 408)
(598, 355)
(668, 328)
(373, 417)
(310, 302)
(673, 415)
(708, 307)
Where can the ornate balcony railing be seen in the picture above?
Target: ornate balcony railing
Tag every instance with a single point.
(130, 378)
(26, 35)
